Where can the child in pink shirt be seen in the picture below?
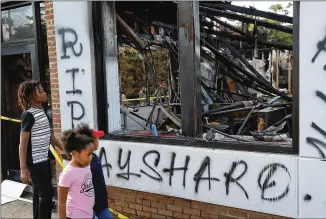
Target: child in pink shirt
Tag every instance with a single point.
(75, 189)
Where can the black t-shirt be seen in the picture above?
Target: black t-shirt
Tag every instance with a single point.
(36, 122)
(101, 196)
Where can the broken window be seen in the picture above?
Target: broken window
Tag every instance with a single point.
(245, 66)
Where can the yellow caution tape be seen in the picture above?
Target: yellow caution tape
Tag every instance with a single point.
(51, 147)
(9, 119)
(55, 154)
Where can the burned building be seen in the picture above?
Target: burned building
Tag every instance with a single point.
(199, 106)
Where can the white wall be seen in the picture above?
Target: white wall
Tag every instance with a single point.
(74, 27)
(281, 169)
(312, 76)
(312, 175)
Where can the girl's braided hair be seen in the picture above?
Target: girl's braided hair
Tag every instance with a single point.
(26, 92)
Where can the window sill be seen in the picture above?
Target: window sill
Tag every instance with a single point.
(265, 147)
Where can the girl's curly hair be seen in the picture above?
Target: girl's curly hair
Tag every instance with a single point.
(26, 92)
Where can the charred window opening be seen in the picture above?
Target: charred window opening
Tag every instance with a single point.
(245, 72)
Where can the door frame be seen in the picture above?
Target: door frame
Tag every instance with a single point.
(28, 48)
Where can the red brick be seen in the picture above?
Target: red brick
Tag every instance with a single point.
(166, 200)
(164, 212)
(132, 193)
(52, 49)
(151, 197)
(149, 209)
(237, 213)
(157, 216)
(116, 208)
(129, 199)
(207, 214)
(53, 65)
(144, 214)
(182, 202)
(158, 205)
(129, 210)
(191, 211)
(49, 17)
(119, 191)
(121, 203)
(135, 206)
(180, 215)
(195, 217)
(174, 208)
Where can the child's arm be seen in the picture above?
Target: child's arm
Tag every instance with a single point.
(55, 142)
(24, 175)
(62, 200)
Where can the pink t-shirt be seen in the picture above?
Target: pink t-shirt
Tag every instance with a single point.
(81, 197)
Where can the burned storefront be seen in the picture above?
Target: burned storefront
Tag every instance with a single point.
(199, 102)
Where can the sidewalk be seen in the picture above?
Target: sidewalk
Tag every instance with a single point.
(19, 209)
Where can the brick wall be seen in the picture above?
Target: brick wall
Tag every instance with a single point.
(131, 203)
(137, 204)
(52, 52)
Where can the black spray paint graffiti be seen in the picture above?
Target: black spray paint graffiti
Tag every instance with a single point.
(266, 178)
(316, 143)
(73, 117)
(127, 164)
(106, 164)
(172, 169)
(69, 44)
(198, 176)
(230, 179)
(73, 71)
(157, 160)
(267, 182)
(66, 44)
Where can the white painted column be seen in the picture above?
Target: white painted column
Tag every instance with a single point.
(110, 58)
(76, 64)
(312, 175)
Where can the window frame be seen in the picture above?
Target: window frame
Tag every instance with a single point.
(264, 147)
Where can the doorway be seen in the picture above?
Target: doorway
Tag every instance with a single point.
(17, 66)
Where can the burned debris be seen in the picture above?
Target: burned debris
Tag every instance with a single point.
(245, 78)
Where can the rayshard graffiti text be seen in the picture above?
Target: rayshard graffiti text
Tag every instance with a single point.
(66, 44)
(316, 143)
(266, 180)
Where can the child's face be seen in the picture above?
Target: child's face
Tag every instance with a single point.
(96, 143)
(40, 95)
(84, 157)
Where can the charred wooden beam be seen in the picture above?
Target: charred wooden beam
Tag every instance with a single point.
(189, 68)
(130, 33)
(251, 11)
(248, 74)
(250, 39)
(260, 78)
(231, 36)
(244, 19)
(229, 26)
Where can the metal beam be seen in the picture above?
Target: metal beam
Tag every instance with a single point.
(189, 68)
